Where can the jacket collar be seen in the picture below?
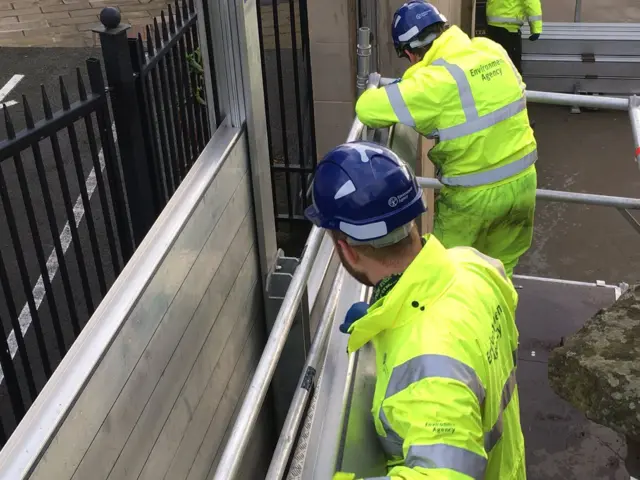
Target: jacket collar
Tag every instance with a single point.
(427, 278)
(451, 39)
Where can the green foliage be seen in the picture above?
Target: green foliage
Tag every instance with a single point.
(194, 60)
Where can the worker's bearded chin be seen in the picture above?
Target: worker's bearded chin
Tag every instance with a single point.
(354, 272)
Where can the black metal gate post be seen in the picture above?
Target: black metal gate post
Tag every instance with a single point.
(141, 194)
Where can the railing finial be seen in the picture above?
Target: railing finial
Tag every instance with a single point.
(110, 17)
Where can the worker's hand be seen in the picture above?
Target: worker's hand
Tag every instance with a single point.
(356, 312)
(534, 37)
(374, 80)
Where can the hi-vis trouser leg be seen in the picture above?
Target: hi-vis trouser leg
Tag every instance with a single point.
(497, 220)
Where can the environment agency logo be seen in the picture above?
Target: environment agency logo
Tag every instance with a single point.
(393, 202)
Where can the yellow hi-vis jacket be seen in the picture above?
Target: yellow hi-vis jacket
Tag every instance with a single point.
(446, 402)
(468, 95)
(511, 14)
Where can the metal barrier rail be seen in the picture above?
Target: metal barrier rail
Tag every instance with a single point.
(629, 104)
(621, 204)
(250, 409)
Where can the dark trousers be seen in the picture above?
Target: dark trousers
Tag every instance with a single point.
(511, 42)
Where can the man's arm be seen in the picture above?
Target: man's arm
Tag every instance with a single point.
(383, 107)
(533, 10)
(439, 421)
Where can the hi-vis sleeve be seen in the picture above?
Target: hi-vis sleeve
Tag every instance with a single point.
(385, 106)
(439, 422)
(533, 10)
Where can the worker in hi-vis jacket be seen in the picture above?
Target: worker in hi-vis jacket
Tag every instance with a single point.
(467, 95)
(504, 19)
(442, 323)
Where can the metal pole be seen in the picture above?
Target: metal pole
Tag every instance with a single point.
(634, 116)
(252, 403)
(298, 404)
(630, 218)
(564, 197)
(570, 100)
(245, 422)
(577, 15)
(127, 117)
(364, 58)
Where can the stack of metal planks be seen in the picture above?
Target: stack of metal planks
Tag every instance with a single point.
(583, 58)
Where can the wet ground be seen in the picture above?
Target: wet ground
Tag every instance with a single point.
(589, 152)
(561, 444)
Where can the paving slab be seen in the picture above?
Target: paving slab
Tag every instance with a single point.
(69, 23)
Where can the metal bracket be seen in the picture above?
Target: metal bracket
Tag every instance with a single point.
(280, 276)
(588, 57)
(575, 109)
(296, 348)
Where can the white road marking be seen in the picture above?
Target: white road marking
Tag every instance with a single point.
(10, 85)
(52, 263)
(10, 103)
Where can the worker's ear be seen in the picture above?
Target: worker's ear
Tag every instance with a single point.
(413, 58)
(349, 254)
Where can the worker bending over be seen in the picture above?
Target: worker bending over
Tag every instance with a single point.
(504, 20)
(441, 321)
(467, 95)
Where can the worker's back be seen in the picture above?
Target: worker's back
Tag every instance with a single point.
(445, 341)
(473, 98)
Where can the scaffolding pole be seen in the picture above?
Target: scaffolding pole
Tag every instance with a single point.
(562, 197)
(634, 116)
(364, 58)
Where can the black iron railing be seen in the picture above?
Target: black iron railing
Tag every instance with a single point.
(33, 201)
(158, 106)
(286, 66)
(59, 258)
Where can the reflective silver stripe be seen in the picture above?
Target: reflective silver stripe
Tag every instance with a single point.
(441, 455)
(464, 88)
(473, 122)
(434, 366)
(483, 122)
(392, 443)
(515, 21)
(398, 105)
(495, 434)
(377, 478)
(414, 370)
(494, 175)
(535, 18)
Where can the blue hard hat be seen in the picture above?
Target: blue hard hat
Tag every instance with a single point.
(364, 190)
(411, 19)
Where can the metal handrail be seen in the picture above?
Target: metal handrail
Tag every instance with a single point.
(287, 438)
(561, 196)
(245, 422)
